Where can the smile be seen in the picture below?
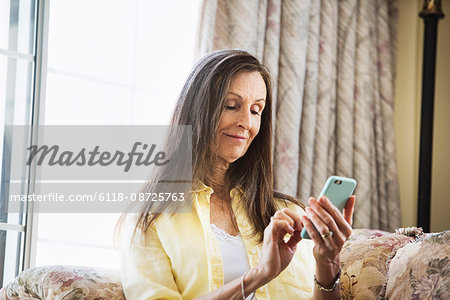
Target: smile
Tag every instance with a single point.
(236, 137)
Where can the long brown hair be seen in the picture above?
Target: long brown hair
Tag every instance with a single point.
(201, 104)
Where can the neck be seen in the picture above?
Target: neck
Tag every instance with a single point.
(216, 178)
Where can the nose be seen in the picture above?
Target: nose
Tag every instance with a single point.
(245, 119)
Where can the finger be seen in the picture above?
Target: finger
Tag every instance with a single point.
(283, 215)
(338, 237)
(313, 234)
(349, 209)
(281, 227)
(294, 216)
(343, 225)
(318, 223)
(324, 215)
(321, 227)
(294, 240)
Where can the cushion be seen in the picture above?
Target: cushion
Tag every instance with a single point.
(421, 270)
(64, 282)
(365, 260)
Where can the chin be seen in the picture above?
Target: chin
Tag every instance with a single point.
(232, 155)
(232, 158)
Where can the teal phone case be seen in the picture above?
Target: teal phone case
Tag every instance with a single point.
(338, 190)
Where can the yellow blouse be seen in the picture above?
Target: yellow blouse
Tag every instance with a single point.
(180, 259)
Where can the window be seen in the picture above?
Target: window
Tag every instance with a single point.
(109, 63)
(17, 69)
(125, 63)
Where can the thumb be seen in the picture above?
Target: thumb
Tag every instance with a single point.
(348, 209)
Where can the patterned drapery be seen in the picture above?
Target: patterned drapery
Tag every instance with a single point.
(333, 67)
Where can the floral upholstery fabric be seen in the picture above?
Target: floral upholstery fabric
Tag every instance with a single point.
(365, 260)
(63, 283)
(375, 265)
(421, 270)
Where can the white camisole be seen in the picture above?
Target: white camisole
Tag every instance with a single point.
(234, 255)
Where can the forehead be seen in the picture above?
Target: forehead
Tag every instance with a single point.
(248, 84)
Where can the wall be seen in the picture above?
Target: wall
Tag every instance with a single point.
(440, 208)
(407, 114)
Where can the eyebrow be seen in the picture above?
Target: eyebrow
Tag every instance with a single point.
(240, 97)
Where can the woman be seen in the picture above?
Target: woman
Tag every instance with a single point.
(232, 245)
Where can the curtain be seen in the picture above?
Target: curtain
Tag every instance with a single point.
(333, 67)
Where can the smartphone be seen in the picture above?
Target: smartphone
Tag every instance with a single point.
(338, 190)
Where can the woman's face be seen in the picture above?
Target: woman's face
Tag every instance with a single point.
(241, 119)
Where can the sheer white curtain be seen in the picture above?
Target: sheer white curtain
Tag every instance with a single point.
(124, 64)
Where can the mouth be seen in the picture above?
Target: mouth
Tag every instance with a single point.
(236, 137)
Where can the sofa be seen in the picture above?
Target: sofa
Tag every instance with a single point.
(407, 264)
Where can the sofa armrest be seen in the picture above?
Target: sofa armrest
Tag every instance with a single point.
(64, 282)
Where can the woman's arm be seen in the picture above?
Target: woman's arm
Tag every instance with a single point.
(275, 256)
(334, 229)
(233, 291)
(146, 271)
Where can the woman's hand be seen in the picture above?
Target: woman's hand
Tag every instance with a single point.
(275, 257)
(334, 229)
(276, 253)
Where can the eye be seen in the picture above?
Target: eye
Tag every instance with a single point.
(230, 107)
(256, 110)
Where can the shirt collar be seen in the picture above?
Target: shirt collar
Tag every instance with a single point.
(199, 187)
